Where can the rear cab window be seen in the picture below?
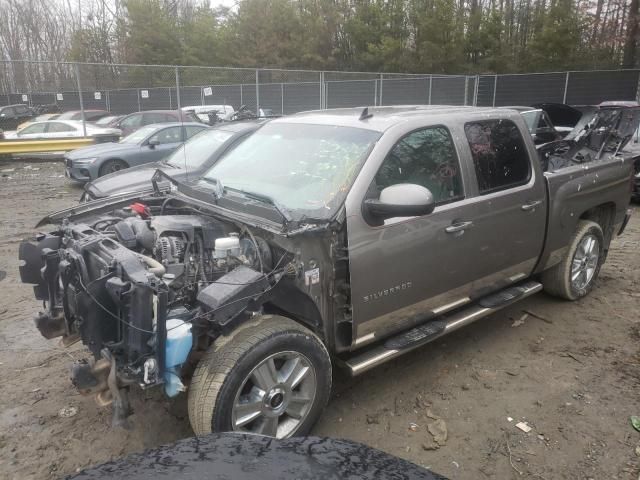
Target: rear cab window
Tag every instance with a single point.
(500, 156)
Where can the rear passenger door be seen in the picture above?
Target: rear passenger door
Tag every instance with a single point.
(510, 207)
(61, 130)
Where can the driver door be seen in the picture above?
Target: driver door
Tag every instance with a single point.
(409, 268)
(168, 140)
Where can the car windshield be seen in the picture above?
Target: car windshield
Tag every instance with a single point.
(307, 169)
(139, 135)
(199, 149)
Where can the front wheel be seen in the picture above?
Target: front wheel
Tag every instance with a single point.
(270, 377)
(112, 166)
(575, 275)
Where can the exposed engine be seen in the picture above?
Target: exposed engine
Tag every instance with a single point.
(192, 251)
(128, 281)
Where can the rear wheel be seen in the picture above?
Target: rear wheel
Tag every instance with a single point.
(575, 275)
(111, 166)
(271, 377)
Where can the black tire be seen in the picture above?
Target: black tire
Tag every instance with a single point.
(111, 166)
(557, 280)
(222, 371)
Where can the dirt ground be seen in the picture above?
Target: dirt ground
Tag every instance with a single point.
(571, 371)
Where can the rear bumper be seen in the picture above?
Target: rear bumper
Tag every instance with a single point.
(627, 217)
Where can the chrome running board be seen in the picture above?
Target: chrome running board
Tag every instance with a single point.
(434, 329)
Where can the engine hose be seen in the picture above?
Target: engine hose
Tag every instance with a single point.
(155, 266)
(203, 273)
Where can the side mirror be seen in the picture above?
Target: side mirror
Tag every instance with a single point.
(401, 200)
(153, 142)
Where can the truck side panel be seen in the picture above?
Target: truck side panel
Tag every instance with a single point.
(597, 190)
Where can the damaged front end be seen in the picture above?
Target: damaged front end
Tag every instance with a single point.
(144, 287)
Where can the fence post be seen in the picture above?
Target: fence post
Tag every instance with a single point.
(178, 88)
(381, 80)
(84, 122)
(282, 98)
(430, 87)
(495, 88)
(257, 92)
(107, 100)
(475, 91)
(466, 89)
(566, 85)
(375, 93)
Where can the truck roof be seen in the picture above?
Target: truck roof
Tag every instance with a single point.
(382, 118)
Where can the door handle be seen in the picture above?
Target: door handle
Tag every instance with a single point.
(458, 227)
(531, 205)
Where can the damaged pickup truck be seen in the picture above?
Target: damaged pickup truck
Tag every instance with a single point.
(347, 235)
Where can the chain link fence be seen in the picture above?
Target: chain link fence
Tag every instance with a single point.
(123, 89)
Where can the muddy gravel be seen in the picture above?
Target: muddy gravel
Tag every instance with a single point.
(569, 371)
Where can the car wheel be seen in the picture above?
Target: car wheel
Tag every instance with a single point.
(576, 274)
(270, 377)
(112, 166)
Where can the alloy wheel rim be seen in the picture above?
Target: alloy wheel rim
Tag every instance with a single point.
(585, 262)
(276, 397)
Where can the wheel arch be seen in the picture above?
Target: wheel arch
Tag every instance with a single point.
(111, 159)
(291, 303)
(604, 215)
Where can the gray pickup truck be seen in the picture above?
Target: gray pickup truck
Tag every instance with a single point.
(351, 235)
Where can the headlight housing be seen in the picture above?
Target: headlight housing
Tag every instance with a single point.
(78, 162)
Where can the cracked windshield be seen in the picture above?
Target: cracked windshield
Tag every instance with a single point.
(307, 168)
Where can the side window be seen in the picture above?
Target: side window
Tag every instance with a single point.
(8, 112)
(21, 109)
(34, 128)
(150, 118)
(131, 122)
(425, 157)
(169, 135)
(499, 154)
(58, 127)
(191, 131)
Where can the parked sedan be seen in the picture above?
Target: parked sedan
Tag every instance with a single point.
(61, 129)
(13, 115)
(188, 162)
(149, 144)
(89, 115)
(130, 123)
(39, 118)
